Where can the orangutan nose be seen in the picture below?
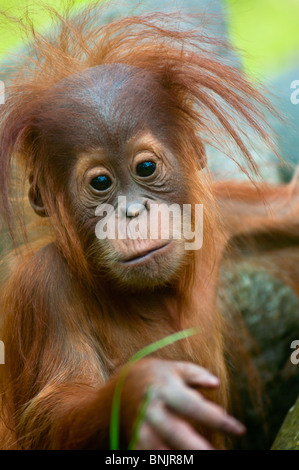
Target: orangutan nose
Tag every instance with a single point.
(134, 209)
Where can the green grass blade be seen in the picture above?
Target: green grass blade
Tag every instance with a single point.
(115, 413)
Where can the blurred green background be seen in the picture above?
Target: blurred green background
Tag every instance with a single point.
(8, 37)
(267, 31)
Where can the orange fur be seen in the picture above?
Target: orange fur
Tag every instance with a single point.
(64, 340)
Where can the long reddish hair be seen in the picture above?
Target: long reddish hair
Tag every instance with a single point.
(210, 101)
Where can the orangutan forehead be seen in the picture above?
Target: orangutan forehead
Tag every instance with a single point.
(105, 105)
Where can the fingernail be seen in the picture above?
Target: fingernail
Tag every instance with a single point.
(213, 380)
(236, 426)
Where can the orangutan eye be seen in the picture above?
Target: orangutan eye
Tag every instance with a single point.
(145, 169)
(101, 183)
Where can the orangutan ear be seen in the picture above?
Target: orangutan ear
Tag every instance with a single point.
(35, 199)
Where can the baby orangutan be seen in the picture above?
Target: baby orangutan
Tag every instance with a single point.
(95, 118)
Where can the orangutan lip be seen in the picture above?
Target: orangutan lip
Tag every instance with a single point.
(145, 255)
